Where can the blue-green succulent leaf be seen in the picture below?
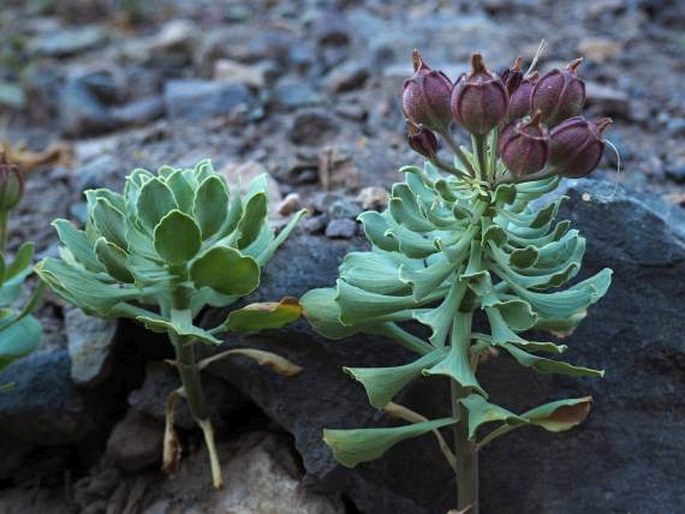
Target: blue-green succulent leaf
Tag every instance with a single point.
(352, 447)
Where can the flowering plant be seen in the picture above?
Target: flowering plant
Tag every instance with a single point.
(20, 332)
(171, 244)
(462, 237)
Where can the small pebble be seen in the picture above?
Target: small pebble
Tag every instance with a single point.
(373, 197)
(290, 204)
(341, 229)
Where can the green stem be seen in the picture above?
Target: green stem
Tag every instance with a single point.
(189, 373)
(4, 219)
(458, 152)
(409, 341)
(466, 453)
(498, 432)
(479, 150)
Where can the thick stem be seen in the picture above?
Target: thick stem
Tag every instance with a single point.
(189, 373)
(466, 454)
(479, 143)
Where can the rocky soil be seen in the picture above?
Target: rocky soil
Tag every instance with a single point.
(308, 91)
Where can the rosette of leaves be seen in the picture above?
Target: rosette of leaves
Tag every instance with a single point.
(446, 248)
(171, 244)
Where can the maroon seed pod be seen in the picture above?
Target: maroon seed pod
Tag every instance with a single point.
(576, 146)
(479, 100)
(512, 77)
(422, 140)
(524, 146)
(426, 96)
(559, 94)
(11, 184)
(519, 101)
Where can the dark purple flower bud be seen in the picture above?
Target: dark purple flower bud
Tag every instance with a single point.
(559, 94)
(11, 184)
(519, 101)
(512, 77)
(426, 96)
(576, 146)
(479, 99)
(524, 146)
(422, 140)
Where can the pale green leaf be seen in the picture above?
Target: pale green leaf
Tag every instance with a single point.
(155, 201)
(110, 222)
(19, 339)
(560, 415)
(351, 447)
(78, 244)
(225, 270)
(382, 384)
(21, 263)
(114, 259)
(177, 237)
(211, 205)
(262, 316)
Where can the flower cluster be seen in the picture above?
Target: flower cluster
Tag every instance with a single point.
(533, 121)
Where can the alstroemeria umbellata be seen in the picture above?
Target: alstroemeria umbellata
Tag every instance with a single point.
(460, 236)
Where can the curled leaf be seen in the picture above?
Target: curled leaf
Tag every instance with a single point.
(279, 364)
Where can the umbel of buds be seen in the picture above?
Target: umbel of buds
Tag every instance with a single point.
(524, 126)
(524, 146)
(559, 94)
(426, 96)
(11, 185)
(479, 100)
(576, 146)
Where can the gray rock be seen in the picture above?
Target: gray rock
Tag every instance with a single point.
(635, 333)
(331, 28)
(136, 442)
(139, 112)
(64, 43)
(108, 86)
(42, 82)
(261, 477)
(81, 112)
(173, 46)
(675, 170)
(344, 208)
(43, 406)
(348, 76)
(314, 224)
(312, 127)
(12, 95)
(103, 171)
(89, 342)
(199, 99)
(341, 229)
(293, 94)
(161, 379)
(608, 100)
